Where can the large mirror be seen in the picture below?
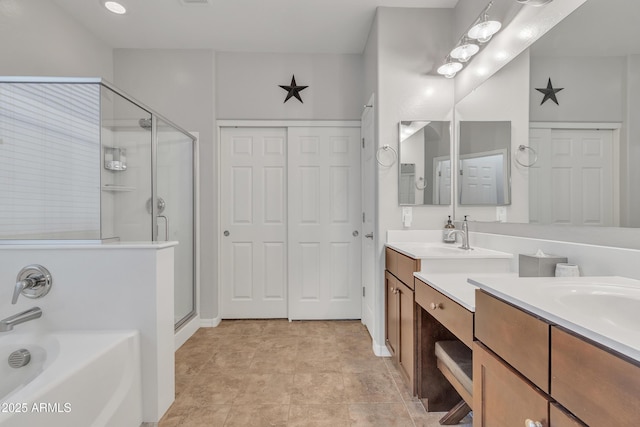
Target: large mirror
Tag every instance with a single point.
(425, 163)
(483, 163)
(573, 162)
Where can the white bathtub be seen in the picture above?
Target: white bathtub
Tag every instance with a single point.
(74, 379)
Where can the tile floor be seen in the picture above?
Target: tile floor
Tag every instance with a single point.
(254, 373)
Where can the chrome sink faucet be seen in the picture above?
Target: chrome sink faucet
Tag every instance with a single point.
(464, 234)
(31, 314)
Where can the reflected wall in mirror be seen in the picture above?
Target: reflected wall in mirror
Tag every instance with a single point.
(484, 173)
(425, 163)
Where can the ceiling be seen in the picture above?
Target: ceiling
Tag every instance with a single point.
(597, 28)
(272, 26)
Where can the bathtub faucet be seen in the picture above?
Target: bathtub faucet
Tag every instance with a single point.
(31, 314)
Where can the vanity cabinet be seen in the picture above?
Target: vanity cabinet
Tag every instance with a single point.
(400, 311)
(525, 368)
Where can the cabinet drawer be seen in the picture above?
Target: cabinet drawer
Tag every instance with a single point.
(401, 266)
(521, 339)
(501, 396)
(595, 385)
(391, 261)
(449, 313)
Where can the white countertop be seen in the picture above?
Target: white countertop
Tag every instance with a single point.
(456, 286)
(58, 244)
(603, 309)
(436, 250)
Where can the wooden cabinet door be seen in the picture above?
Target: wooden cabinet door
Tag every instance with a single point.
(501, 397)
(392, 313)
(407, 324)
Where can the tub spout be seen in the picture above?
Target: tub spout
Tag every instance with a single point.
(31, 314)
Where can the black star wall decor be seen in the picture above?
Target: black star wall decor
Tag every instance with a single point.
(293, 90)
(549, 93)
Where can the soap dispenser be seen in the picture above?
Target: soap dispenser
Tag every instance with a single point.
(447, 235)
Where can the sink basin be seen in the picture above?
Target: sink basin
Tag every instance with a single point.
(442, 251)
(615, 304)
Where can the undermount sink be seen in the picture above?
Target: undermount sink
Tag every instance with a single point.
(443, 251)
(437, 258)
(615, 304)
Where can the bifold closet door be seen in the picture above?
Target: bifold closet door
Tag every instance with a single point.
(324, 216)
(253, 197)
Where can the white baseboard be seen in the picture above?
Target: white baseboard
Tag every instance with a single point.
(186, 331)
(210, 323)
(380, 350)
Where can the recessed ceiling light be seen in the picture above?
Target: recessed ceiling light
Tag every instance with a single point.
(115, 7)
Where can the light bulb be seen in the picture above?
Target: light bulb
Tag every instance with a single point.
(449, 69)
(484, 30)
(115, 7)
(464, 52)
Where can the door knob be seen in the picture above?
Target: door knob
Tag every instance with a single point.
(369, 235)
(226, 233)
(531, 423)
(355, 233)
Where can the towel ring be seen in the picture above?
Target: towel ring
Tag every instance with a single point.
(420, 186)
(387, 147)
(532, 150)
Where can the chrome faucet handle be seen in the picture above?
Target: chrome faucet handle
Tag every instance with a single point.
(33, 281)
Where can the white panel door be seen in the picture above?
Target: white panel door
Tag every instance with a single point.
(367, 164)
(254, 223)
(324, 223)
(572, 181)
(479, 180)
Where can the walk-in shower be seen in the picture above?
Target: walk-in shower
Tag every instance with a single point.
(81, 160)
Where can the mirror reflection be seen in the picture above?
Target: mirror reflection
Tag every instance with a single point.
(578, 164)
(425, 163)
(484, 173)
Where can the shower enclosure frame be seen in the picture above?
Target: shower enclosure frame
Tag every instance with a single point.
(154, 176)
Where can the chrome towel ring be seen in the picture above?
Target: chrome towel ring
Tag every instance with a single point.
(387, 147)
(421, 183)
(532, 151)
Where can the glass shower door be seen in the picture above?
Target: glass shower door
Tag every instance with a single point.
(175, 210)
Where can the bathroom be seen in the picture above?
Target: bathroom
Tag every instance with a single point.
(200, 86)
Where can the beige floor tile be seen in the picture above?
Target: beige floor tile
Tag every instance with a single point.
(351, 365)
(281, 361)
(317, 388)
(318, 416)
(258, 416)
(266, 389)
(207, 416)
(240, 327)
(379, 415)
(370, 387)
(229, 361)
(221, 388)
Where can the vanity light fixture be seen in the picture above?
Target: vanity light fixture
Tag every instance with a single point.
(534, 2)
(449, 68)
(465, 50)
(481, 31)
(485, 29)
(115, 7)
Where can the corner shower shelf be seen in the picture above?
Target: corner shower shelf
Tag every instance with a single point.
(111, 187)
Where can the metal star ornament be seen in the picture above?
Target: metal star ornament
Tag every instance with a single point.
(293, 90)
(549, 93)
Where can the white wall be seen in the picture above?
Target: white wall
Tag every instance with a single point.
(247, 86)
(632, 158)
(179, 84)
(505, 96)
(411, 43)
(593, 89)
(39, 39)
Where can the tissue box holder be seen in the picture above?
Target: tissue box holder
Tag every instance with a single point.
(536, 266)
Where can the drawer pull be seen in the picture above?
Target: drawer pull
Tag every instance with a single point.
(436, 305)
(396, 290)
(531, 423)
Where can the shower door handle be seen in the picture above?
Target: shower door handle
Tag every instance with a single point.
(166, 227)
